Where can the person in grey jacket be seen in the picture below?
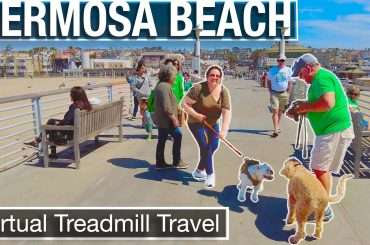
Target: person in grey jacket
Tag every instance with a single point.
(140, 86)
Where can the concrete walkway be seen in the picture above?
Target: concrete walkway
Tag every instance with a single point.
(121, 174)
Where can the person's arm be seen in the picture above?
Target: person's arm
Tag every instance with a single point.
(269, 85)
(325, 103)
(187, 104)
(226, 119)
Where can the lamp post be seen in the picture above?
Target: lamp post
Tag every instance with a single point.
(282, 41)
(196, 60)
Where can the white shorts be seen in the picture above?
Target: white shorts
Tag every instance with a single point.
(328, 151)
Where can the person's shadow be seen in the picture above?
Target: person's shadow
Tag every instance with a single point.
(171, 176)
(269, 211)
(130, 163)
(251, 131)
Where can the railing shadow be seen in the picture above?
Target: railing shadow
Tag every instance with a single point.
(269, 211)
(349, 164)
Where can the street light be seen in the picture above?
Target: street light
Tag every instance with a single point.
(196, 61)
(282, 40)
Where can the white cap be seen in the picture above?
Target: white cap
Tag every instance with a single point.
(309, 59)
(300, 62)
(282, 57)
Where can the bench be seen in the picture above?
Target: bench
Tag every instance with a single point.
(87, 124)
(359, 144)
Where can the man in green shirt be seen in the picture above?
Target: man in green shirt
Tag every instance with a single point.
(329, 116)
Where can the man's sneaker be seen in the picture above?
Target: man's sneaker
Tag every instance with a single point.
(160, 166)
(181, 165)
(328, 216)
(210, 181)
(199, 175)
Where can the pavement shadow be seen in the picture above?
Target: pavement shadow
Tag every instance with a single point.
(269, 211)
(349, 164)
(130, 163)
(129, 125)
(139, 136)
(171, 176)
(86, 148)
(298, 153)
(251, 131)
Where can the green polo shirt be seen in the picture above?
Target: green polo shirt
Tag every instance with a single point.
(337, 118)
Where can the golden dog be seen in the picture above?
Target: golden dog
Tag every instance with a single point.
(306, 195)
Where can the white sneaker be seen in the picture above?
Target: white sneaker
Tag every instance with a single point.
(199, 175)
(210, 181)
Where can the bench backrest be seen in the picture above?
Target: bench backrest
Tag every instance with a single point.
(91, 123)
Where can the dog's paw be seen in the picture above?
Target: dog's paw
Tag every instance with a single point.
(254, 199)
(317, 235)
(241, 197)
(290, 221)
(294, 239)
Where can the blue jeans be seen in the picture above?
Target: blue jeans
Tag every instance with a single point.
(208, 143)
(176, 148)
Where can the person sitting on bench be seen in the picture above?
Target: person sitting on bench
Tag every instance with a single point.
(79, 101)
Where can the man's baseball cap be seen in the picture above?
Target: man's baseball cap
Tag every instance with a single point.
(281, 57)
(301, 61)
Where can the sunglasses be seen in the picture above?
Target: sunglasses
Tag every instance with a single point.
(281, 60)
(214, 75)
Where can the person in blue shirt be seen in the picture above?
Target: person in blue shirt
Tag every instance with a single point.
(279, 85)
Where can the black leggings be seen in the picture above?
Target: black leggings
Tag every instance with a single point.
(136, 106)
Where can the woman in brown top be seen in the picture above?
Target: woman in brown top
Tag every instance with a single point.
(208, 101)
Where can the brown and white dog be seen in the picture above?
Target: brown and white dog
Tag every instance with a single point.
(306, 195)
(251, 175)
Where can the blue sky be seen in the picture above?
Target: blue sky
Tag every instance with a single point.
(322, 24)
(335, 23)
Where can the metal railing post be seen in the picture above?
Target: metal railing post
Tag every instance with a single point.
(110, 93)
(36, 113)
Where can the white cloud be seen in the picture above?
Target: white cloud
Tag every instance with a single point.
(366, 3)
(311, 10)
(351, 31)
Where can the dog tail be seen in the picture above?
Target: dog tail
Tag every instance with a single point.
(341, 189)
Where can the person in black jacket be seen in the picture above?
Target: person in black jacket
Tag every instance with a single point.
(79, 101)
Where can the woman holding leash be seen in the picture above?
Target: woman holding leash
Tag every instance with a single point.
(205, 103)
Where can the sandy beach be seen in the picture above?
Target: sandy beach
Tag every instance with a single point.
(20, 86)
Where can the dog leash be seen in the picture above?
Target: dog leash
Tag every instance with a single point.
(225, 141)
(302, 120)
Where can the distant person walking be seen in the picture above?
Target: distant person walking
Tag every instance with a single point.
(208, 101)
(140, 86)
(166, 118)
(279, 85)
